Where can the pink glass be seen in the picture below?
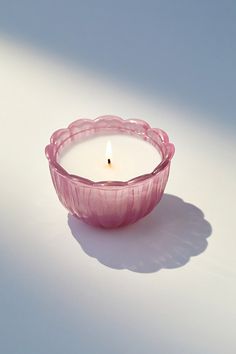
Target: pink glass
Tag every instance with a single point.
(109, 204)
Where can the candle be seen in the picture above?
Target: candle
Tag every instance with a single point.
(109, 171)
(110, 157)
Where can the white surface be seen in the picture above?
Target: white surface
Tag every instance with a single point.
(111, 292)
(88, 158)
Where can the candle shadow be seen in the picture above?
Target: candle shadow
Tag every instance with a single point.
(167, 238)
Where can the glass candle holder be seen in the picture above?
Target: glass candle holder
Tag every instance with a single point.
(109, 204)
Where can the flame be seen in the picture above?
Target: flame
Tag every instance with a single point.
(109, 151)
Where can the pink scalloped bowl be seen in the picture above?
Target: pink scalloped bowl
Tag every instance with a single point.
(109, 204)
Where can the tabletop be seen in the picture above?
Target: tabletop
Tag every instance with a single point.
(163, 285)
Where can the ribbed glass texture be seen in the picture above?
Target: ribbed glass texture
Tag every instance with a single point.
(109, 204)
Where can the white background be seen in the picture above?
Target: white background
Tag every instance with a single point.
(167, 283)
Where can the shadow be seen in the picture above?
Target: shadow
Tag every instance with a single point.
(183, 51)
(167, 238)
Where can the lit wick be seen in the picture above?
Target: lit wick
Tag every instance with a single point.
(108, 153)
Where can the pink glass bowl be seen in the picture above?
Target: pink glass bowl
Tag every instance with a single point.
(109, 204)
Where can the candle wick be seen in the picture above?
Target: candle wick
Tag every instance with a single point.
(109, 161)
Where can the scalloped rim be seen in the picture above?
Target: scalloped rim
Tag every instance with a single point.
(51, 155)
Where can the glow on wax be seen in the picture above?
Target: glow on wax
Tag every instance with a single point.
(129, 157)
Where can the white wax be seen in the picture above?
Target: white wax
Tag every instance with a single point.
(131, 157)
